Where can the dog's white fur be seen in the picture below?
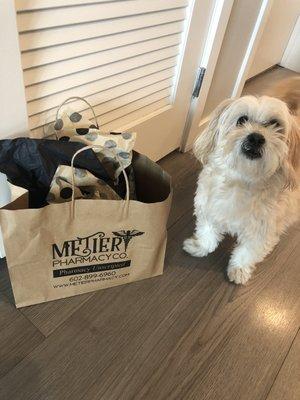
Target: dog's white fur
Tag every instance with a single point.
(252, 199)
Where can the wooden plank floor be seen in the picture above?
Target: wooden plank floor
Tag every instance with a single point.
(189, 334)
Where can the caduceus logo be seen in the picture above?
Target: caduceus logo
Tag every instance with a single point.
(128, 235)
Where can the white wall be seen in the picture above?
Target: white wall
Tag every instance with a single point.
(13, 114)
(277, 31)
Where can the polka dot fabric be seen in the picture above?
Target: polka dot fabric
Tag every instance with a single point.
(117, 146)
(87, 186)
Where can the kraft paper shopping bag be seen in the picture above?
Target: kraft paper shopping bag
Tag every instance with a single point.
(66, 249)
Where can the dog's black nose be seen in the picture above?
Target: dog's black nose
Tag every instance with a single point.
(255, 139)
(252, 145)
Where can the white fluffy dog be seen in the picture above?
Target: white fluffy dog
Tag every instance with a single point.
(249, 185)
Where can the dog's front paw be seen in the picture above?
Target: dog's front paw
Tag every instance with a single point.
(194, 248)
(239, 275)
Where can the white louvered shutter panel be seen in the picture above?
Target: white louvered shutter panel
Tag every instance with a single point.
(122, 56)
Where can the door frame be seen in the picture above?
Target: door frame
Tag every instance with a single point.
(196, 123)
(208, 60)
(251, 47)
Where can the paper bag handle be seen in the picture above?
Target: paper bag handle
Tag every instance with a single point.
(73, 176)
(77, 98)
(59, 108)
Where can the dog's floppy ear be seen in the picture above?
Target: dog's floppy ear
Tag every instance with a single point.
(206, 141)
(291, 166)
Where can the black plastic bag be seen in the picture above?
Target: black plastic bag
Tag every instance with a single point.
(31, 164)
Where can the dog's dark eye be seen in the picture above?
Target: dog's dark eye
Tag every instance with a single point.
(242, 120)
(274, 122)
